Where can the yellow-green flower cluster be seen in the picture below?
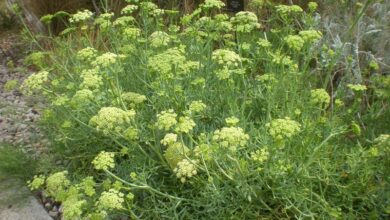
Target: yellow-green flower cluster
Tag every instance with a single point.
(284, 60)
(83, 97)
(312, 6)
(104, 161)
(110, 200)
(56, 184)
(320, 98)
(260, 156)
(232, 121)
(87, 54)
(166, 120)
(185, 125)
(88, 186)
(294, 42)
(310, 36)
(133, 99)
(203, 151)
(245, 22)
(112, 119)
(357, 87)
(81, 16)
(288, 9)
(231, 137)
(124, 21)
(283, 128)
(197, 107)
(159, 39)
(175, 153)
(165, 62)
(267, 79)
(151, 9)
(185, 169)
(91, 80)
(209, 4)
(129, 9)
(264, 43)
(34, 82)
(105, 60)
(226, 58)
(73, 208)
(381, 146)
(169, 139)
(131, 33)
(37, 182)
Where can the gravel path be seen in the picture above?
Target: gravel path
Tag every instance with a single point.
(18, 117)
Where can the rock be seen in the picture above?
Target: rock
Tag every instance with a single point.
(53, 214)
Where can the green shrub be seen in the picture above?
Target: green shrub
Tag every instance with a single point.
(206, 116)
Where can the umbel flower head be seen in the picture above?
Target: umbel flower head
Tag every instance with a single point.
(81, 16)
(197, 107)
(245, 21)
(185, 125)
(73, 208)
(56, 184)
(185, 169)
(231, 137)
(226, 58)
(133, 99)
(37, 182)
(281, 128)
(91, 80)
(110, 200)
(112, 119)
(166, 120)
(175, 153)
(169, 139)
(104, 161)
(87, 54)
(34, 82)
(105, 60)
(295, 42)
(320, 98)
(159, 39)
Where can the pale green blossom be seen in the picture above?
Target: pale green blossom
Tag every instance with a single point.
(129, 9)
(197, 107)
(159, 39)
(37, 182)
(185, 125)
(112, 119)
(35, 82)
(231, 137)
(245, 21)
(310, 36)
(81, 16)
(175, 153)
(110, 200)
(210, 4)
(91, 80)
(87, 54)
(357, 87)
(283, 128)
(166, 120)
(169, 139)
(185, 169)
(105, 60)
(226, 58)
(232, 121)
(133, 99)
(320, 98)
(295, 42)
(56, 184)
(104, 161)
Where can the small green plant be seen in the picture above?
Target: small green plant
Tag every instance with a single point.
(206, 116)
(11, 85)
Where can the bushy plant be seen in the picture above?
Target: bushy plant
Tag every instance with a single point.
(206, 117)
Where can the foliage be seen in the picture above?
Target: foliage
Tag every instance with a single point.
(209, 116)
